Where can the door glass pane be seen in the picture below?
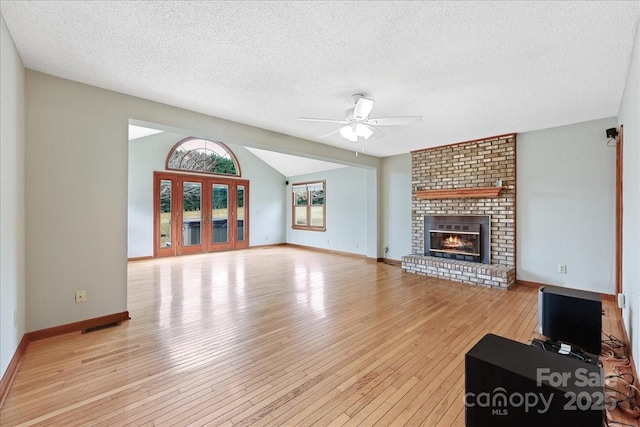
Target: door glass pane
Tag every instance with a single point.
(219, 213)
(191, 213)
(240, 213)
(165, 213)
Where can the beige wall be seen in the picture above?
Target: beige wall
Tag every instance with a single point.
(12, 246)
(566, 199)
(76, 197)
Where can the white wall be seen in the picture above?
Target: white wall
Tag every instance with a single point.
(346, 211)
(12, 169)
(76, 195)
(629, 116)
(396, 205)
(149, 154)
(566, 206)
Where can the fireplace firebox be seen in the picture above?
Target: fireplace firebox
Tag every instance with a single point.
(456, 239)
(465, 237)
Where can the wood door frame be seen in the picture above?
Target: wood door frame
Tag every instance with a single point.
(244, 244)
(619, 209)
(158, 177)
(206, 230)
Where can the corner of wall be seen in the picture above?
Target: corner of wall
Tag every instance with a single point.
(629, 116)
(12, 199)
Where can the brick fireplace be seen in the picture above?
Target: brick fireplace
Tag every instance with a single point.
(469, 180)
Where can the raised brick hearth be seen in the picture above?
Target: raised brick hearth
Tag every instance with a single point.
(473, 273)
(469, 165)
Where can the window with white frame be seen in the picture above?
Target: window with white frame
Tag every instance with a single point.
(308, 206)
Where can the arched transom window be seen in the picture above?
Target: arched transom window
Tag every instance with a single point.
(203, 156)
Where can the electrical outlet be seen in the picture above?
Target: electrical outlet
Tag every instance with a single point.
(621, 301)
(81, 296)
(562, 268)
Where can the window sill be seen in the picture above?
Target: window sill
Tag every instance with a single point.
(298, 227)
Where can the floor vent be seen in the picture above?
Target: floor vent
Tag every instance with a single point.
(100, 327)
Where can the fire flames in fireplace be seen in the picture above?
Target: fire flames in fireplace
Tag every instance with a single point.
(459, 237)
(455, 242)
(458, 241)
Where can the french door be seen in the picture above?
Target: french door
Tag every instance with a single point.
(195, 214)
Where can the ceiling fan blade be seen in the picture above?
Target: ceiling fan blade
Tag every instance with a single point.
(394, 121)
(363, 108)
(377, 133)
(309, 119)
(333, 132)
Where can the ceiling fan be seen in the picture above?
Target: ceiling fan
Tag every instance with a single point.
(358, 124)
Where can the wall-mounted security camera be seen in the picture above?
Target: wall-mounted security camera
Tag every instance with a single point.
(612, 133)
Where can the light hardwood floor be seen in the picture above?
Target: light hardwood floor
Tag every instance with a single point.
(274, 336)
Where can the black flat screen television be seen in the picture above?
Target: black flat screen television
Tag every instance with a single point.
(571, 316)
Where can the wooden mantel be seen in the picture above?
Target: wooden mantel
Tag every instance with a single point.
(459, 193)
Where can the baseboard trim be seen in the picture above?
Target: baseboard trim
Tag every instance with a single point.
(269, 245)
(388, 261)
(76, 326)
(529, 284)
(331, 251)
(605, 297)
(12, 370)
(16, 360)
(140, 258)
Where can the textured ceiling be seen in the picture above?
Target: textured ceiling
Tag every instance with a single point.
(471, 69)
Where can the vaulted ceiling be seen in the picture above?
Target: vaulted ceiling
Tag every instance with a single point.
(471, 69)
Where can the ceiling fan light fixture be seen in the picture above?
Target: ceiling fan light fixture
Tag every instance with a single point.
(348, 133)
(358, 123)
(363, 131)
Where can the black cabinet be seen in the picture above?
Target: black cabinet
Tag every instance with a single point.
(508, 383)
